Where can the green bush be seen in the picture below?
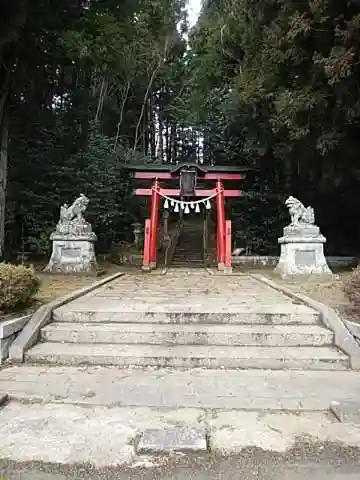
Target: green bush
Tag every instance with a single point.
(352, 291)
(18, 285)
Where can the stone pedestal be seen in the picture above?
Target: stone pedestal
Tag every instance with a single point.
(73, 241)
(73, 254)
(302, 252)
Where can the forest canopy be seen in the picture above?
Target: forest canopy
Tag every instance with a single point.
(87, 86)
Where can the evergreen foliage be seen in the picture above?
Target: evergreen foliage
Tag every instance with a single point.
(87, 86)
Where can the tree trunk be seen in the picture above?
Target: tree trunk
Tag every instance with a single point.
(162, 57)
(167, 141)
(121, 116)
(152, 130)
(101, 99)
(143, 106)
(173, 142)
(4, 140)
(161, 132)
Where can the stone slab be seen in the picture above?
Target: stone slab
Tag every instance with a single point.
(177, 439)
(65, 434)
(231, 432)
(68, 434)
(346, 412)
(168, 388)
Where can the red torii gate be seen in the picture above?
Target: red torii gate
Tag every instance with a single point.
(187, 175)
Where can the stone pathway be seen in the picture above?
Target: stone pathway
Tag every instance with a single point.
(170, 388)
(188, 319)
(101, 436)
(119, 409)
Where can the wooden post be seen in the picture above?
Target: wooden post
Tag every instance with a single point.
(154, 218)
(147, 241)
(228, 249)
(220, 210)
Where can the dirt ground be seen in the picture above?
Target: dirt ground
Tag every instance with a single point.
(53, 286)
(329, 291)
(319, 462)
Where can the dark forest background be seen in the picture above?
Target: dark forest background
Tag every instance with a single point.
(88, 85)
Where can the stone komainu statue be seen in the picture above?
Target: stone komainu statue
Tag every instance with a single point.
(74, 213)
(300, 215)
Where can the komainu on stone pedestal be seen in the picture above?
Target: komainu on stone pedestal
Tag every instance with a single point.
(73, 241)
(302, 245)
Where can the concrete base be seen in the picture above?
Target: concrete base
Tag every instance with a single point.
(146, 268)
(302, 252)
(8, 331)
(73, 255)
(4, 347)
(221, 266)
(227, 270)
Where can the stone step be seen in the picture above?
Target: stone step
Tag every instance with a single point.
(179, 315)
(189, 257)
(188, 262)
(179, 356)
(251, 335)
(190, 253)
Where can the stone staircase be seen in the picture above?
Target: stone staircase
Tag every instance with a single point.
(187, 319)
(189, 248)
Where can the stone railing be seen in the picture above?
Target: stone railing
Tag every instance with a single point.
(9, 329)
(174, 237)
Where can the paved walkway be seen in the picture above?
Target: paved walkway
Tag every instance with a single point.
(195, 388)
(188, 290)
(100, 415)
(101, 436)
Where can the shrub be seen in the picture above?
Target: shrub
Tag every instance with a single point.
(18, 285)
(352, 291)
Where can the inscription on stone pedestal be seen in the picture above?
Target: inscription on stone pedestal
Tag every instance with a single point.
(305, 257)
(71, 252)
